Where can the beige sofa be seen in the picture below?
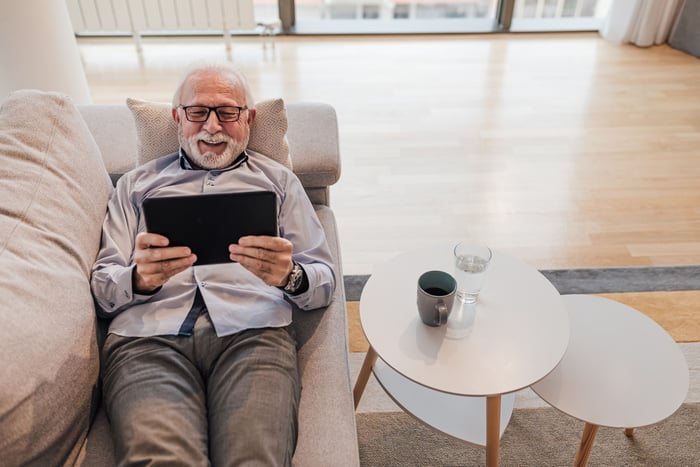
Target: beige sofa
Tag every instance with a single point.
(55, 161)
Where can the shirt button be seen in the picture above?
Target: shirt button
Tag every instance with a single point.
(202, 284)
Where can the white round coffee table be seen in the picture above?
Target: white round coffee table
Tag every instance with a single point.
(515, 335)
(621, 370)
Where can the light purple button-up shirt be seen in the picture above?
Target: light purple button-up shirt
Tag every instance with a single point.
(235, 298)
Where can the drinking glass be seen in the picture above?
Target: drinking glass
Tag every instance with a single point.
(471, 263)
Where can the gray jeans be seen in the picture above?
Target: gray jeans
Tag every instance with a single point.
(202, 399)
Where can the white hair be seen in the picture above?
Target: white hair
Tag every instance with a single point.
(226, 70)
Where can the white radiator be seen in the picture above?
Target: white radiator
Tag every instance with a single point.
(167, 17)
(160, 16)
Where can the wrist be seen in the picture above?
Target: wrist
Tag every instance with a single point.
(295, 279)
(138, 286)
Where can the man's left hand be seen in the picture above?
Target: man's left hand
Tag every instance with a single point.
(269, 258)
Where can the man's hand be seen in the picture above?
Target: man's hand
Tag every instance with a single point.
(269, 258)
(156, 262)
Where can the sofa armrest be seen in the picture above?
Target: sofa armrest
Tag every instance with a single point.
(327, 430)
(313, 143)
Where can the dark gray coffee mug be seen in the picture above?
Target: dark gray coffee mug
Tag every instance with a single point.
(436, 294)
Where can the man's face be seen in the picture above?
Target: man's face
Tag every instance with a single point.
(213, 144)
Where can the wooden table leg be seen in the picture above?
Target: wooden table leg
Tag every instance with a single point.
(363, 376)
(587, 440)
(629, 432)
(493, 429)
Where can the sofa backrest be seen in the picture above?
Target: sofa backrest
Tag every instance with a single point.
(312, 137)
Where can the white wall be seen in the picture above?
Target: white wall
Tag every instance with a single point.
(38, 49)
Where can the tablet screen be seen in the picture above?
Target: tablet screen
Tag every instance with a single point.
(208, 223)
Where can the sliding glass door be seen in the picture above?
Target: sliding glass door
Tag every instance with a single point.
(394, 16)
(440, 16)
(558, 15)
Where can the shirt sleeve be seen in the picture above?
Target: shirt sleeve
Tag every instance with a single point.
(300, 225)
(111, 279)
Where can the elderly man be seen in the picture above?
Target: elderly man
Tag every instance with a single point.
(199, 365)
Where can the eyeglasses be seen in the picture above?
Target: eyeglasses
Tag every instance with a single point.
(200, 113)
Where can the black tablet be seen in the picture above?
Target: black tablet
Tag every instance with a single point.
(208, 223)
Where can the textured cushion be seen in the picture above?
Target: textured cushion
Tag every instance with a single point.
(157, 132)
(53, 196)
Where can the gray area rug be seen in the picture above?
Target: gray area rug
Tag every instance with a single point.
(596, 280)
(534, 437)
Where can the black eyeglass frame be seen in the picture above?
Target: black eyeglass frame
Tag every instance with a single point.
(216, 111)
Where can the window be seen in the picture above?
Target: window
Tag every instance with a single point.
(387, 16)
(558, 15)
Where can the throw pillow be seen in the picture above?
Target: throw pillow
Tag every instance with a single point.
(54, 190)
(157, 132)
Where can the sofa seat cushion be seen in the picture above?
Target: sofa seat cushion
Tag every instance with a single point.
(53, 198)
(157, 131)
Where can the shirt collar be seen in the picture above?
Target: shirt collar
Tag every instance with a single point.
(186, 164)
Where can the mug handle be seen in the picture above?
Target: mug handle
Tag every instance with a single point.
(442, 313)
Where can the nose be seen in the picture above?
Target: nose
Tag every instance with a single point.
(212, 124)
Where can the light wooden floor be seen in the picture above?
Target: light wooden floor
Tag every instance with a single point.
(563, 149)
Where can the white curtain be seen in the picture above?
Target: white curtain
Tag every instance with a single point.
(640, 22)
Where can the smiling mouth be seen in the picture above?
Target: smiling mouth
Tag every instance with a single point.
(207, 147)
(212, 145)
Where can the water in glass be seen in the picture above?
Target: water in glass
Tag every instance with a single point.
(470, 270)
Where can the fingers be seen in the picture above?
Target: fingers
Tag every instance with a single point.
(146, 240)
(269, 258)
(156, 262)
(265, 242)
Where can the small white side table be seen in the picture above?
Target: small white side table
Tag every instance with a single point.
(621, 369)
(516, 334)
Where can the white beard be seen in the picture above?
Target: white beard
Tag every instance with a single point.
(210, 160)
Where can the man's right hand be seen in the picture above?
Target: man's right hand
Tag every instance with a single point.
(156, 262)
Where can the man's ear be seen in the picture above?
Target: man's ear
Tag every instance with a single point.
(251, 116)
(176, 115)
